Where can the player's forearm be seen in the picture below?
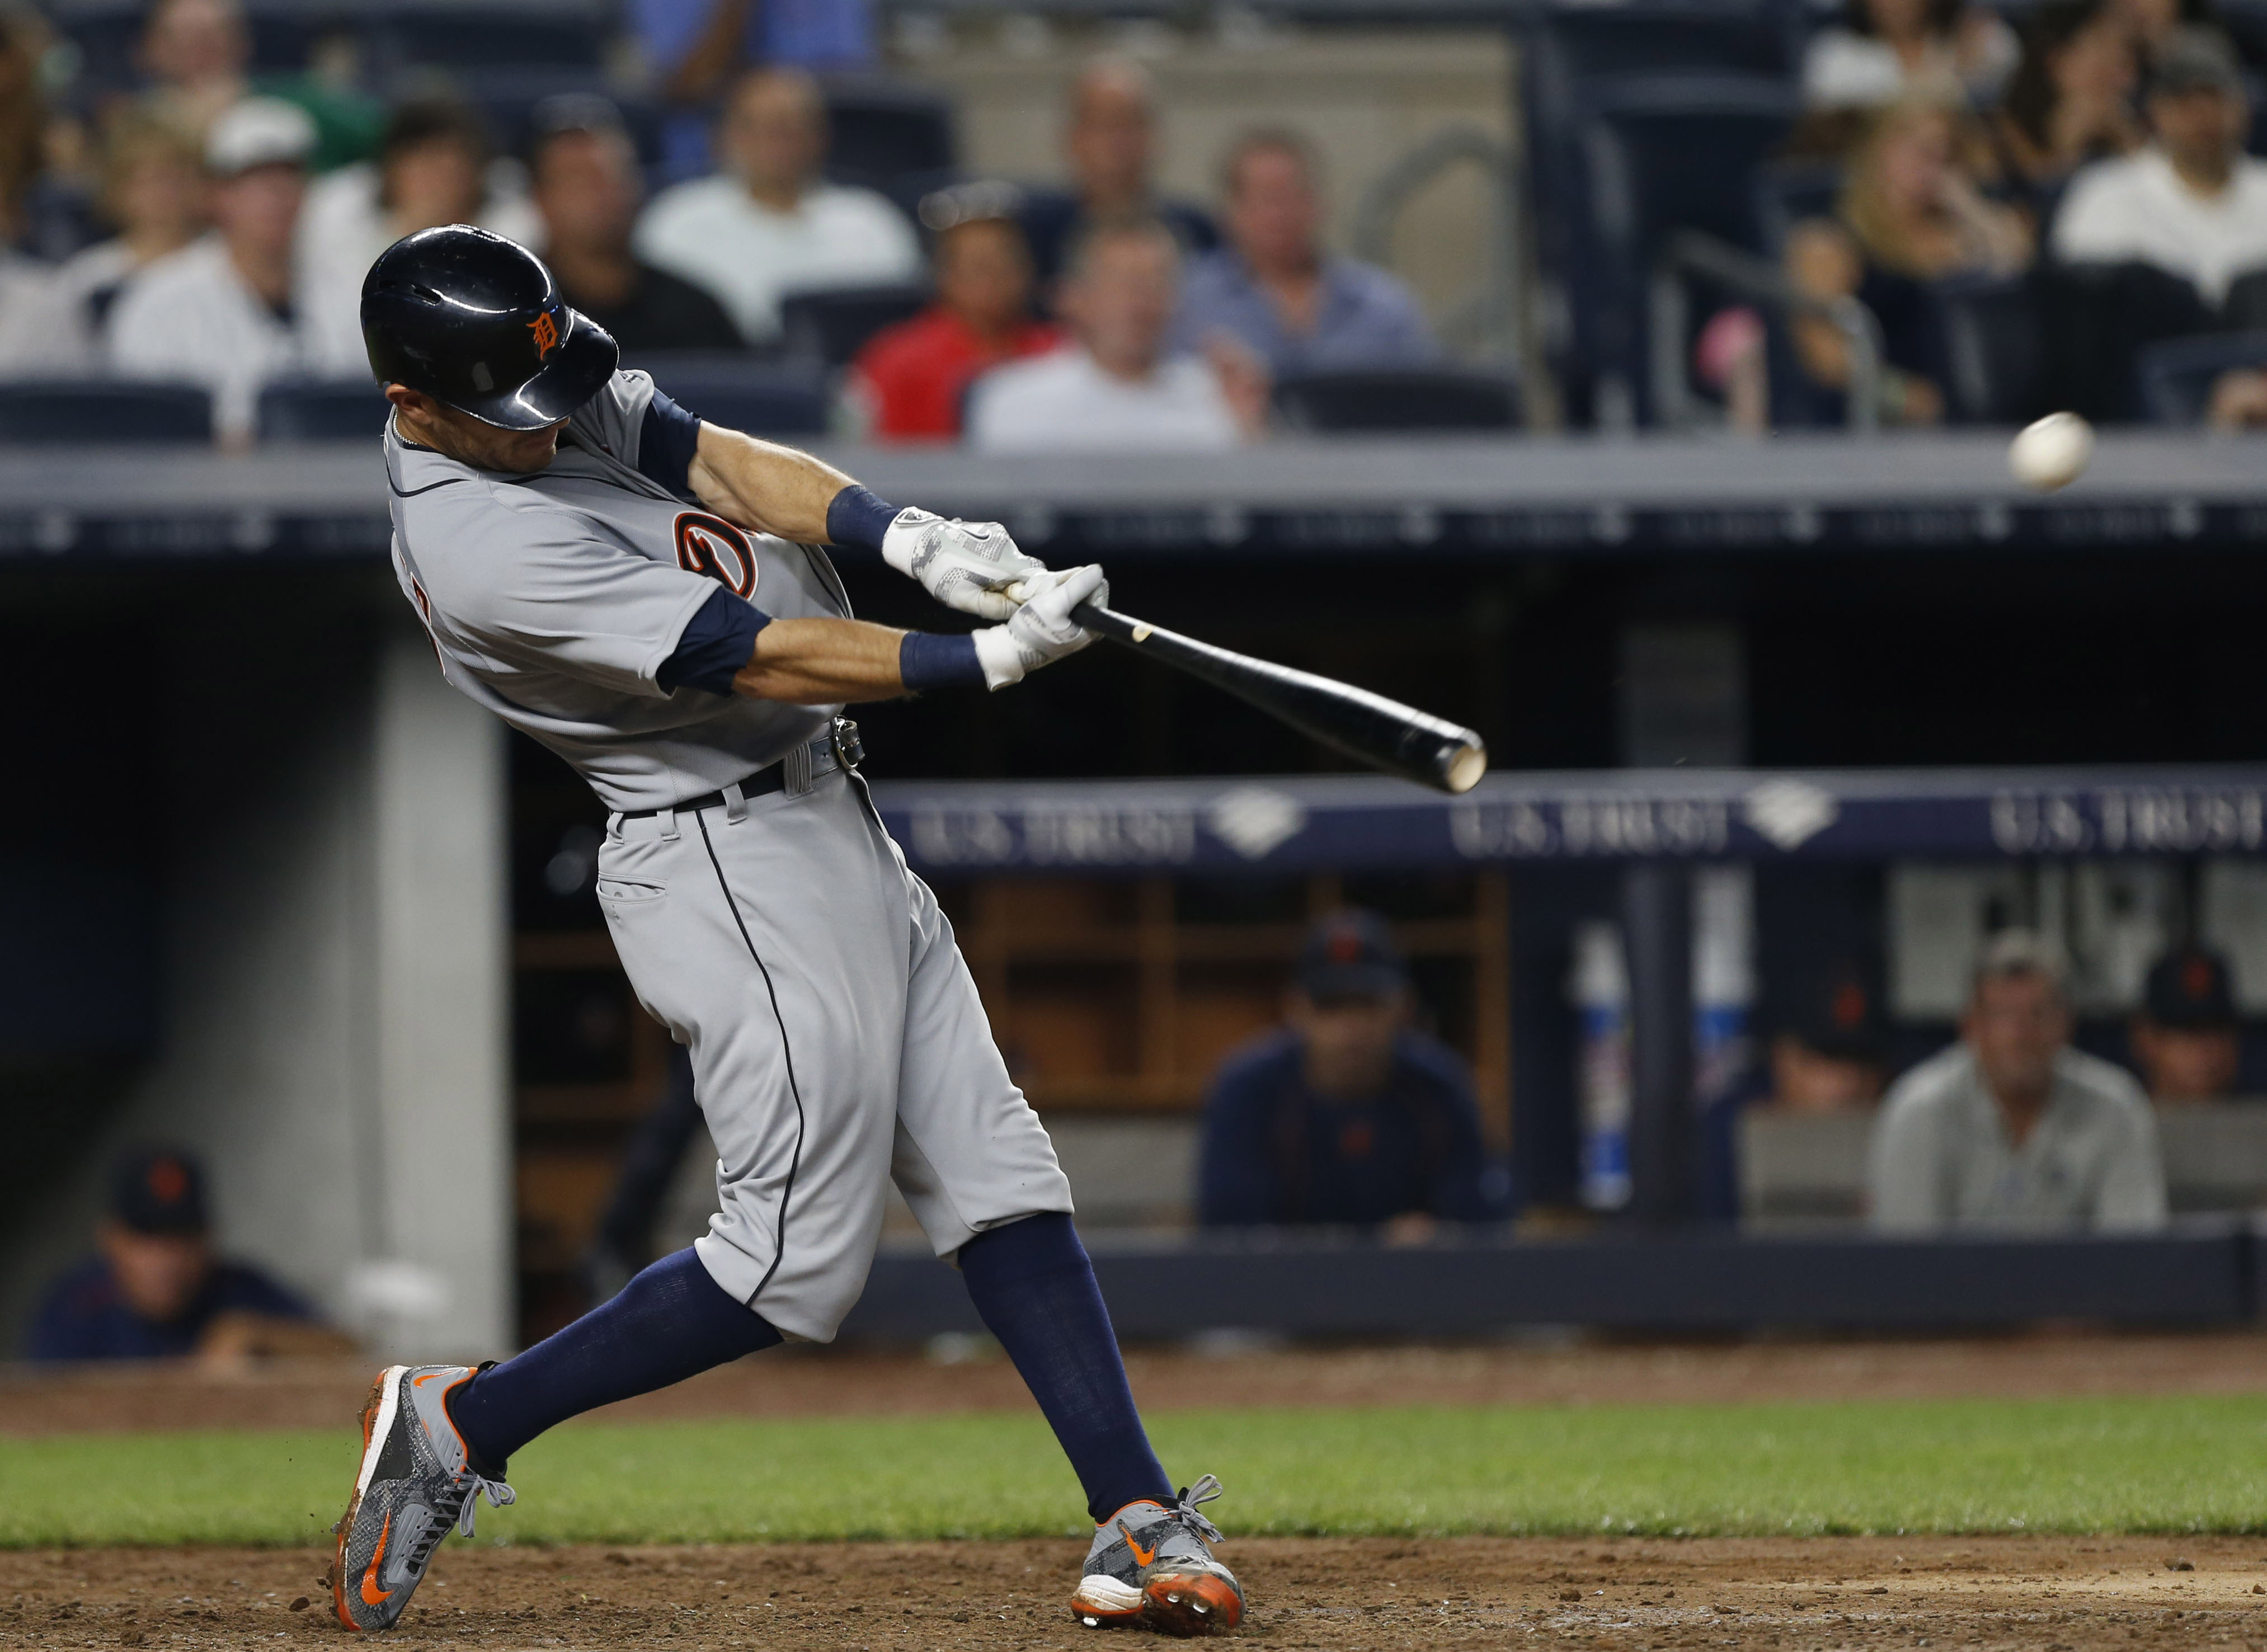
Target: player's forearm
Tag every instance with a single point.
(820, 662)
(775, 489)
(764, 487)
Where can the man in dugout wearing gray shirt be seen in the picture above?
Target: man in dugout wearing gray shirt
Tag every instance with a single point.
(2011, 1128)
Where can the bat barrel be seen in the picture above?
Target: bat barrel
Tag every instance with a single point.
(1384, 733)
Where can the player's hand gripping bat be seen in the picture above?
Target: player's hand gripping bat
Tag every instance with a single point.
(1369, 728)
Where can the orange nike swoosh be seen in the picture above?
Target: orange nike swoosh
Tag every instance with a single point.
(1141, 1556)
(371, 1595)
(420, 1381)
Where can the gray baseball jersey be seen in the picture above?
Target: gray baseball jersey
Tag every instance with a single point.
(554, 599)
(1940, 1158)
(836, 1039)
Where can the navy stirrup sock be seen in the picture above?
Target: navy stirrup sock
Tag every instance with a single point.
(1033, 1286)
(671, 1322)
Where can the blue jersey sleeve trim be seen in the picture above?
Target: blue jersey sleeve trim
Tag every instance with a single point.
(856, 521)
(926, 660)
(666, 443)
(718, 639)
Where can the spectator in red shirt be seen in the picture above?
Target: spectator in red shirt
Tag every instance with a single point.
(911, 379)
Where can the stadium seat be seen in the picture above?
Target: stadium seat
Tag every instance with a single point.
(1428, 399)
(1786, 193)
(2099, 317)
(2244, 310)
(826, 329)
(1661, 154)
(506, 95)
(1585, 42)
(879, 130)
(1995, 346)
(321, 410)
(1573, 57)
(2065, 336)
(2177, 376)
(769, 400)
(43, 411)
(488, 34)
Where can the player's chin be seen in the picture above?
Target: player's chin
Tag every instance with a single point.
(525, 454)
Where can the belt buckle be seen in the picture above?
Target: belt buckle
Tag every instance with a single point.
(849, 750)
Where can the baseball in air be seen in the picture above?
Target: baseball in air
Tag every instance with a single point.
(2051, 453)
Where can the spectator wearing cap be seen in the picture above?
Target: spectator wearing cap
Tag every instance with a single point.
(2191, 201)
(227, 311)
(157, 1291)
(910, 380)
(766, 224)
(1275, 289)
(1110, 145)
(435, 165)
(2187, 1037)
(587, 189)
(1119, 385)
(1348, 1116)
(1826, 1058)
(2011, 1128)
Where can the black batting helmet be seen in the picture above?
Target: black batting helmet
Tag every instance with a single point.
(476, 321)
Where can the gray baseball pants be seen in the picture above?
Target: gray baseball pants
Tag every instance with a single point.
(837, 1041)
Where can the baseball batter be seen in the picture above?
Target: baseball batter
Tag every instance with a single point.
(648, 595)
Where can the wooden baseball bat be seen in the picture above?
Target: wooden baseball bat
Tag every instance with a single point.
(1369, 728)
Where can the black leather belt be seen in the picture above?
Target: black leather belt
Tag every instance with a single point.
(840, 743)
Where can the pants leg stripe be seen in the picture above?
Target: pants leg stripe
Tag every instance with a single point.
(787, 1048)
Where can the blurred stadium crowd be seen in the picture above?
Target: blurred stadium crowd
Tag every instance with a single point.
(1910, 212)
(192, 219)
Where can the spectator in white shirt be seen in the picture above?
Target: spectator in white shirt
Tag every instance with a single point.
(433, 167)
(224, 311)
(1885, 51)
(1118, 388)
(2192, 202)
(766, 226)
(153, 192)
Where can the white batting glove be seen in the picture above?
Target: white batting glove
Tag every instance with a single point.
(1041, 631)
(964, 565)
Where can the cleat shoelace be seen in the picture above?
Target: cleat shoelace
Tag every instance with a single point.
(456, 1507)
(1185, 1510)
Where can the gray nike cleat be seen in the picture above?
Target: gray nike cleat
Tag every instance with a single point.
(1149, 1568)
(416, 1483)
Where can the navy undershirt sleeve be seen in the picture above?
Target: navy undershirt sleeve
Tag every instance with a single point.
(856, 520)
(716, 642)
(926, 660)
(666, 443)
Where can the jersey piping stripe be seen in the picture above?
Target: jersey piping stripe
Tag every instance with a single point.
(399, 492)
(787, 1048)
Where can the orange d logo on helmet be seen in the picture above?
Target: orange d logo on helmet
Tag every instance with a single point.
(547, 335)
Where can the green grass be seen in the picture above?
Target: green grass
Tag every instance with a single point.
(2182, 1463)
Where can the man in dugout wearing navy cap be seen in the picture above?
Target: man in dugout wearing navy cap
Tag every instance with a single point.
(1349, 1117)
(157, 1290)
(1827, 1055)
(2188, 1040)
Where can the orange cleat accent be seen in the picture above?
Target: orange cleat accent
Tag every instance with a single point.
(346, 1521)
(1191, 1603)
(372, 1593)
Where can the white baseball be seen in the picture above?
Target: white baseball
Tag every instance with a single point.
(2052, 453)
